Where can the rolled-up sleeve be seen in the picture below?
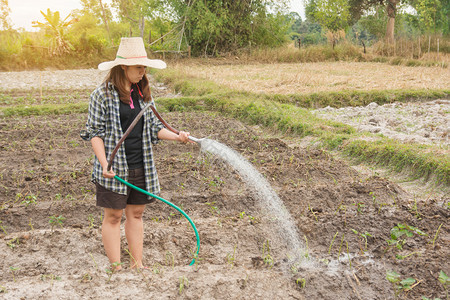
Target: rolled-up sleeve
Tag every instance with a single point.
(95, 125)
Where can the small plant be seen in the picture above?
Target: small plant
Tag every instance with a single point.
(91, 221)
(397, 232)
(170, 259)
(414, 209)
(3, 228)
(364, 237)
(213, 208)
(53, 221)
(436, 235)
(29, 199)
(301, 282)
(444, 280)
(231, 258)
(399, 284)
(13, 243)
(267, 258)
(332, 241)
(31, 225)
(184, 282)
(3, 290)
(86, 278)
(114, 267)
(157, 268)
(13, 270)
(359, 206)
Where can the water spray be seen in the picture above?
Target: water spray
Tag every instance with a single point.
(113, 154)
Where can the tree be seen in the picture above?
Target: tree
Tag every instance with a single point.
(100, 10)
(334, 15)
(215, 26)
(5, 22)
(55, 29)
(431, 17)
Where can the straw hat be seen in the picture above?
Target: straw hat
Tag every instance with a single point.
(132, 52)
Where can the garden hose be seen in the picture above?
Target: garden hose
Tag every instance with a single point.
(113, 154)
(170, 204)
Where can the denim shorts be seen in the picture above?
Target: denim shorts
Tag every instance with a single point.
(109, 199)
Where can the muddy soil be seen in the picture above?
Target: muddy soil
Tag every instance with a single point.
(46, 173)
(344, 219)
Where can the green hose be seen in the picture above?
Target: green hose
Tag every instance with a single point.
(169, 203)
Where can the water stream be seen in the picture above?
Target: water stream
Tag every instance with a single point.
(285, 228)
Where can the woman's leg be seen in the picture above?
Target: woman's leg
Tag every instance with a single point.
(111, 234)
(134, 232)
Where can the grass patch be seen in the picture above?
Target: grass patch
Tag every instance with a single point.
(45, 109)
(285, 114)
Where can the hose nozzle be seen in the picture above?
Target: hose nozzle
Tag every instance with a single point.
(194, 139)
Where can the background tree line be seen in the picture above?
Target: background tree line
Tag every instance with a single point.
(213, 27)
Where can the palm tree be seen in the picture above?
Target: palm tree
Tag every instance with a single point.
(55, 29)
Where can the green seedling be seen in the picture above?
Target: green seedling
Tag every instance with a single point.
(313, 212)
(91, 221)
(86, 278)
(95, 263)
(436, 235)
(301, 282)
(13, 270)
(3, 228)
(445, 281)
(414, 209)
(13, 243)
(267, 258)
(359, 206)
(332, 241)
(398, 284)
(170, 259)
(231, 258)
(364, 237)
(110, 272)
(402, 231)
(31, 225)
(53, 221)
(157, 268)
(29, 199)
(196, 258)
(184, 282)
(398, 256)
(242, 214)
(213, 208)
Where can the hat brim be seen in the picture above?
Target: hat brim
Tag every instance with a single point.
(152, 63)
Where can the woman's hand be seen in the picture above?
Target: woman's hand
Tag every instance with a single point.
(108, 174)
(183, 137)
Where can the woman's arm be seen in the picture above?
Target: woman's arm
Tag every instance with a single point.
(165, 134)
(99, 149)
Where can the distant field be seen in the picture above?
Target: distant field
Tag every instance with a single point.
(294, 78)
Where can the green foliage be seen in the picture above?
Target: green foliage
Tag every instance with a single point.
(399, 234)
(55, 30)
(399, 284)
(213, 27)
(332, 14)
(431, 17)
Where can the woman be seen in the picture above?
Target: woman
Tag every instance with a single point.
(113, 106)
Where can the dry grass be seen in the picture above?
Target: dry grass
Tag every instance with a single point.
(295, 78)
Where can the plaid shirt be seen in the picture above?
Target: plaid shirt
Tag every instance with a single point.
(104, 121)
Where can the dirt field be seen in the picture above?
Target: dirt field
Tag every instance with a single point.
(344, 219)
